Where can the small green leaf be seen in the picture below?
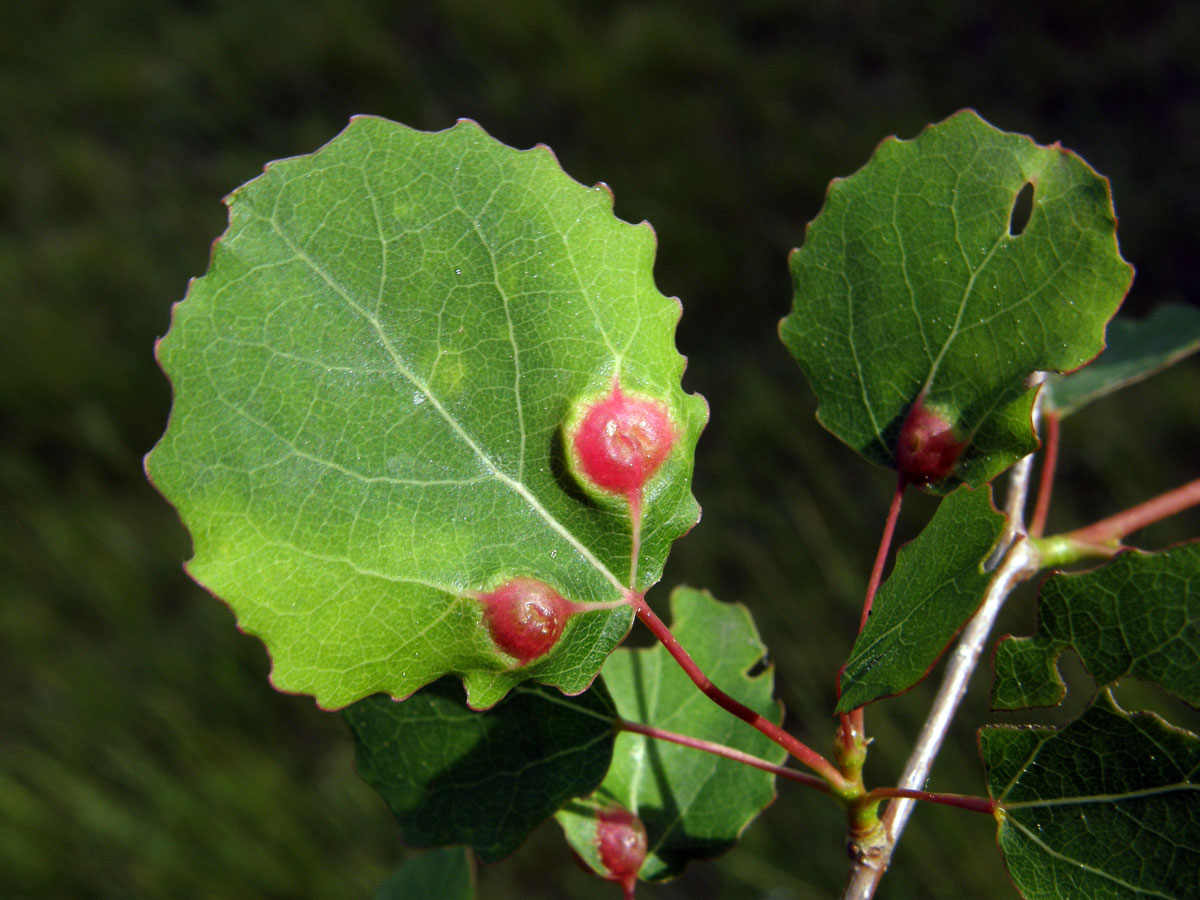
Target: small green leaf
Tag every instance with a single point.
(445, 874)
(370, 385)
(694, 805)
(1137, 615)
(606, 837)
(937, 584)
(1137, 348)
(1107, 807)
(452, 775)
(910, 283)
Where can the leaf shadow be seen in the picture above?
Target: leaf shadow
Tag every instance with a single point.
(451, 775)
(665, 820)
(562, 474)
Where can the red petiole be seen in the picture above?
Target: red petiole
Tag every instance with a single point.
(1037, 525)
(961, 801)
(1109, 531)
(727, 752)
(793, 746)
(853, 728)
(881, 555)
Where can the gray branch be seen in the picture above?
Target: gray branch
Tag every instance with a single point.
(1017, 561)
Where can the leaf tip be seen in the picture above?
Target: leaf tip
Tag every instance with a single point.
(602, 187)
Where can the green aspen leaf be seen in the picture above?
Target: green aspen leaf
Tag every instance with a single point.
(606, 838)
(1136, 349)
(370, 386)
(1138, 615)
(452, 775)
(911, 285)
(445, 874)
(937, 584)
(694, 805)
(1106, 808)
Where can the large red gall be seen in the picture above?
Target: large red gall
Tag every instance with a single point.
(928, 447)
(525, 617)
(621, 841)
(621, 441)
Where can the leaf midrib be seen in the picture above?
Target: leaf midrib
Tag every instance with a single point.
(405, 372)
(956, 329)
(1049, 851)
(1177, 787)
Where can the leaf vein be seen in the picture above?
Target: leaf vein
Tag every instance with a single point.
(409, 375)
(1085, 867)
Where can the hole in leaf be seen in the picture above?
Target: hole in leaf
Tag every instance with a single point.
(759, 667)
(1135, 694)
(1022, 210)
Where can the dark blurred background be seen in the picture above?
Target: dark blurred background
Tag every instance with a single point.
(142, 751)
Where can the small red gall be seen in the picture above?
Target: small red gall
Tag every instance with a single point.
(621, 840)
(525, 617)
(621, 441)
(928, 447)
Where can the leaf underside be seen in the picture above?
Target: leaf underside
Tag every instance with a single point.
(1108, 807)
(369, 386)
(910, 283)
(1138, 615)
(1136, 349)
(937, 584)
(445, 874)
(452, 775)
(694, 805)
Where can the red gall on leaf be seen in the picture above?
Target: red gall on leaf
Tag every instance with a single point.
(928, 447)
(621, 441)
(525, 617)
(621, 840)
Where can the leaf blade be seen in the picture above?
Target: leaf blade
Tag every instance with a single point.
(1108, 806)
(694, 805)
(452, 775)
(369, 385)
(446, 873)
(1136, 349)
(1138, 615)
(937, 584)
(909, 284)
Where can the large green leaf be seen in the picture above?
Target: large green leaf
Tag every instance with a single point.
(369, 386)
(1136, 349)
(910, 281)
(444, 874)
(1137, 615)
(938, 582)
(693, 804)
(1107, 808)
(452, 775)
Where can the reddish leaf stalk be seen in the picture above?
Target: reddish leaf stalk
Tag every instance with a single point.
(962, 801)
(727, 752)
(1041, 509)
(850, 733)
(795, 747)
(1110, 531)
(635, 542)
(853, 726)
(881, 555)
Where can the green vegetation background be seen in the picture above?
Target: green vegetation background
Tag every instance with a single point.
(142, 751)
